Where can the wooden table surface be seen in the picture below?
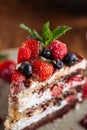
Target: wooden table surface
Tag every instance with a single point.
(33, 14)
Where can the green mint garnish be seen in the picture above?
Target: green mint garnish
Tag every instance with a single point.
(48, 35)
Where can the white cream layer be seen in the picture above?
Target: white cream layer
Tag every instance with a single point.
(35, 99)
(22, 123)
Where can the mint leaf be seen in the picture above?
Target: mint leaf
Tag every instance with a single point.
(46, 32)
(57, 32)
(32, 32)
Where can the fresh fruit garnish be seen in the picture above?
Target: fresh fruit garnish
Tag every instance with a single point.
(25, 68)
(43, 70)
(58, 49)
(73, 79)
(6, 69)
(34, 46)
(58, 64)
(83, 122)
(47, 53)
(71, 98)
(48, 35)
(57, 90)
(84, 90)
(18, 77)
(24, 54)
(70, 59)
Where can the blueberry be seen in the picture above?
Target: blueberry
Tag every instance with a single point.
(25, 68)
(70, 59)
(46, 53)
(58, 64)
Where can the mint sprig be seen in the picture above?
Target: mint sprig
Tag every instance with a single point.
(32, 32)
(48, 35)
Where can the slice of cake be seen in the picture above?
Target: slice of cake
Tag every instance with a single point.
(47, 82)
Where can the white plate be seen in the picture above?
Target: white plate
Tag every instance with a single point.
(69, 122)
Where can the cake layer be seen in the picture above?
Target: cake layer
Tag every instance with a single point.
(41, 96)
(33, 84)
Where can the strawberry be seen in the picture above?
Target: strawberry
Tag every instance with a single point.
(24, 54)
(6, 69)
(34, 46)
(84, 90)
(42, 70)
(58, 49)
(57, 90)
(71, 98)
(18, 77)
(19, 80)
(73, 79)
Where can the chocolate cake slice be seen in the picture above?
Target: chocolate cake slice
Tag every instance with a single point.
(46, 83)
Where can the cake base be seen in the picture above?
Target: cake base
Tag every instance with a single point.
(51, 117)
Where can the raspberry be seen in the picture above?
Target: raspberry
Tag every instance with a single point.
(42, 70)
(84, 90)
(6, 69)
(58, 49)
(24, 54)
(34, 46)
(57, 90)
(18, 77)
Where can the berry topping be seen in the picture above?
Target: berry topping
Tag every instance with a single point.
(84, 90)
(25, 68)
(58, 64)
(24, 54)
(6, 69)
(83, 122)
(34, 46)
(70, 59)
(59, 50)
(71, 81)
(47, 53)
(57, 90)
(18, 77)
(42, 70)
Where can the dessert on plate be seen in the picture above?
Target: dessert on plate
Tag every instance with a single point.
(47, 82)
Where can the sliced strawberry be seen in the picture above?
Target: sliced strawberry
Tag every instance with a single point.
(84, 90)
(24, 54)
(71, 98)
(6, 69)
(57, 90)
(34, 46)
(73, 79)
(42, 70)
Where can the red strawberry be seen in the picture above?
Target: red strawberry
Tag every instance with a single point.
(19, 80)
(57, 90)
(71, 98)
(6, 69)
(24, 54)
(43, 70)
(84, 90)
(34, 46)
(18, 77)
(71, 81)
(58, 49)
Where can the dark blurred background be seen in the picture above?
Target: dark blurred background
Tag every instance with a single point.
(36, 13)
